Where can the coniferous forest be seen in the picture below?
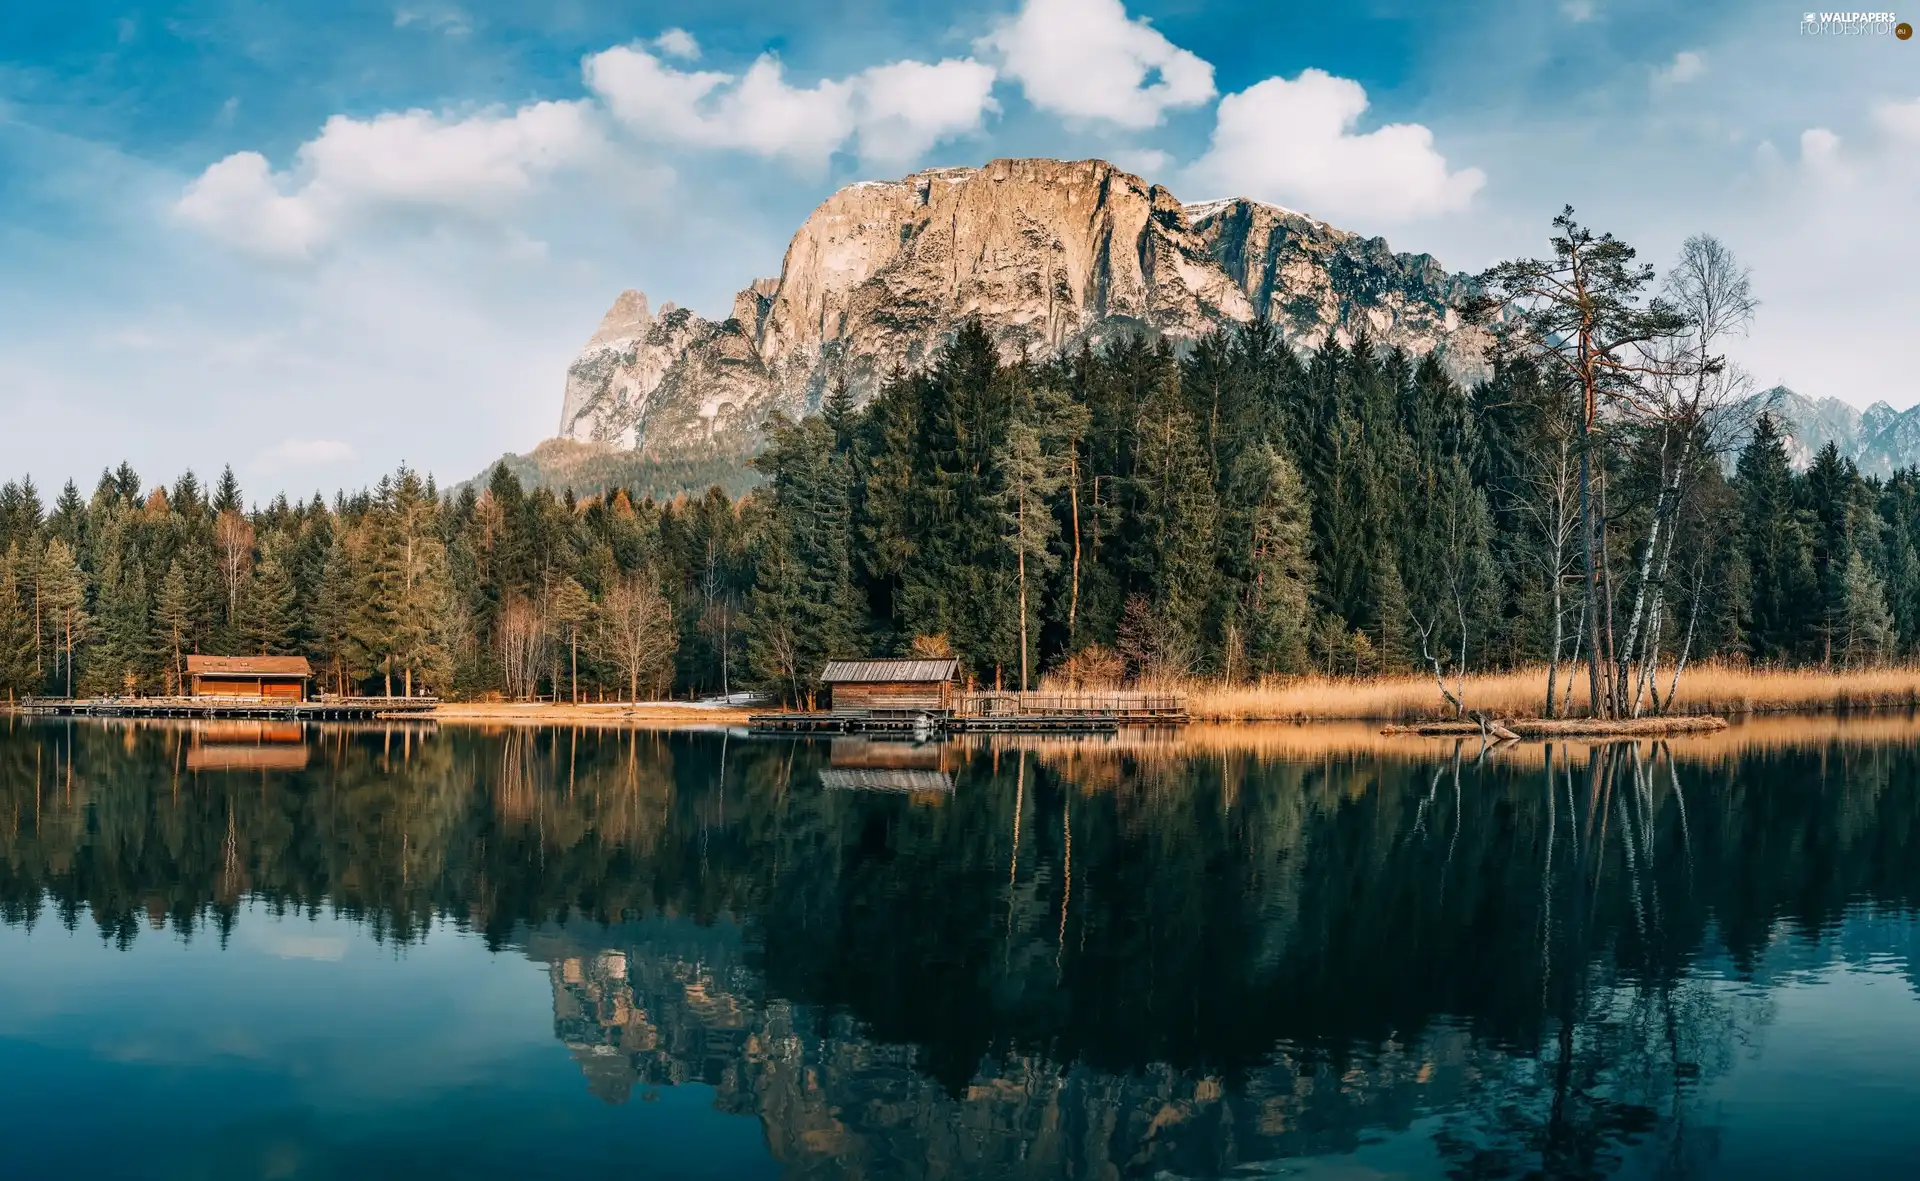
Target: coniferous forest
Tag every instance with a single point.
(1609, 501)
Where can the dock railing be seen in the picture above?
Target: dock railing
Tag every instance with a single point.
(1118, 706)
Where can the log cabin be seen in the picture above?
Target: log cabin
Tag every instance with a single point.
(868, 688)
(277, 678)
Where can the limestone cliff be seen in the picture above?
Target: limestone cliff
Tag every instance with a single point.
(1046, 253)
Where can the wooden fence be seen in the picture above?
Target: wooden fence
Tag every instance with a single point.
(1115, 705)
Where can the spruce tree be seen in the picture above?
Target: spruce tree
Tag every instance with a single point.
(1784, 591)
(17, 639)
(63, 606)
(1275, 527)
(1866, 626)
(267, 625)
(173, 625)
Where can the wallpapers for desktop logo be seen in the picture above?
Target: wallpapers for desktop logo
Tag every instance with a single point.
(1854, 24)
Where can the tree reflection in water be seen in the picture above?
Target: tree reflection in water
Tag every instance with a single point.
(1082, 959)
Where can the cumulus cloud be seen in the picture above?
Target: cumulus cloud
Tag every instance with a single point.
(758, 112)
(905, 108)
(415, 159)
(1293, 143)
(1685, 67)
(677, 43)
(896, 111)
(1086, 59)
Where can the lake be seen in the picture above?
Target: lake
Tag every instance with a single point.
(241, 950)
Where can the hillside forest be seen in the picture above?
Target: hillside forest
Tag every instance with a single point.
(1606, 503)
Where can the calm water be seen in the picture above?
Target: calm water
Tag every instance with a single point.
(247, 952)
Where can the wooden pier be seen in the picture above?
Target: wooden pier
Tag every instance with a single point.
(992, 713)
(318, 709)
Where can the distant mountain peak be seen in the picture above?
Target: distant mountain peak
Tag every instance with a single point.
(1880, 440)
(1047, 253)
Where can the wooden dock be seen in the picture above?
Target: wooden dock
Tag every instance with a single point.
(319, 709)
(993, 713)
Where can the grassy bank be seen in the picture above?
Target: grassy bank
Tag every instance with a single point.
(1725, 690)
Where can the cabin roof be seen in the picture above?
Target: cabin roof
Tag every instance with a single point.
(249, 666)
(932, 672)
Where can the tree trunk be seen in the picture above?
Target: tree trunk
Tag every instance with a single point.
(1022, 562)
(1559, 626)
(573, 656)
(1073, 496)
(1590, 622)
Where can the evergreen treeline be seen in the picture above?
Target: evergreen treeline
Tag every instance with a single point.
(1236, 511)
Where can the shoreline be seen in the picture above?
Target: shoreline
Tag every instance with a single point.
(613, 713)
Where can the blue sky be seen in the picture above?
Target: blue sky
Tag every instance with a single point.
(316, 240)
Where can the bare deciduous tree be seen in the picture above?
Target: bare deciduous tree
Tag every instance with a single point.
(636, 633)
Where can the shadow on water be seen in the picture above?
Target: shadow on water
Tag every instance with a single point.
(1053, 958)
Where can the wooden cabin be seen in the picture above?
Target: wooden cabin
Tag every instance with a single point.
(864, 688)
(277, 678)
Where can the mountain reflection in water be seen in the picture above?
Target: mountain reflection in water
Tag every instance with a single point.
(1218, 955)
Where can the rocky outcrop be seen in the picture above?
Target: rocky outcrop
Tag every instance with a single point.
(1879, 440)
(1309, 278)
(1048, 254)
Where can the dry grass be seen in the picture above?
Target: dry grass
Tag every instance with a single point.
(645, 714)
(1708, 689)
(1096, 759)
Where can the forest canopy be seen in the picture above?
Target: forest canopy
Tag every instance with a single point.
(1234, 510)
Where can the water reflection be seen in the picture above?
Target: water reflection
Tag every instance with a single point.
(1136, 957)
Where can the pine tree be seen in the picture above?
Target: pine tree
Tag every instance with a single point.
(1830, 482)
(122, 649)
(569, 607)
(406, 585)
(17, 640)
(807, 558)
(1784, 591)
(1866, 626)
(63, 605)
(1276, 528)
(267, 624)
(173, 625)
(1031, 478)
(1175, 518)
(335, 617)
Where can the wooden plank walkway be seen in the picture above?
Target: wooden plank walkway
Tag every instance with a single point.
(317, 710)
(832, 723)
(993, 712)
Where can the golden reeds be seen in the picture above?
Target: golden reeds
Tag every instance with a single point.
(1708, 689)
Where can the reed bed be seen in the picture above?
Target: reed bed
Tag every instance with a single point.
(1716, 689)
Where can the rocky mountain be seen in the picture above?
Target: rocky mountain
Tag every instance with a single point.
(1047, 253)
(1879, 439)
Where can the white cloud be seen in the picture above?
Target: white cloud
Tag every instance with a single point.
(1147, 162)
(1292, 142)
(896, 111)
(758, 112)
(237, 201)
(448, 20)
(478, 164)
(301, 453)
(1899, 121)
(905, 108)
(677, 43)
(1820, 154)
(1086, 59)
(1686, 65)
(1578, 11)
